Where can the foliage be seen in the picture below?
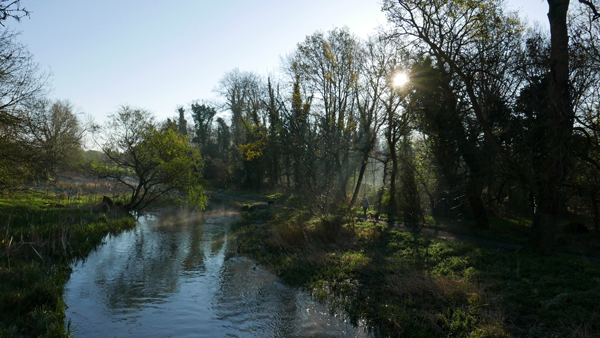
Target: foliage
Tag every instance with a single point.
(494, 119)
(152, 163)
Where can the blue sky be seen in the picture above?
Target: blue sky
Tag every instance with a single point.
(159, 54)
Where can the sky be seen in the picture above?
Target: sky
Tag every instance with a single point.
(158, 55)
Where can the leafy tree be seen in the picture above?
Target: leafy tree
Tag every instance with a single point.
(223, 138)
(244, 95)
(151, 162)
(253, 157)
(203, 116)
(274, 108)
(298, 142)
(182, 122)
(474, 44)
(170, 124)
(453, 142)
(410, 203)
(223, 149)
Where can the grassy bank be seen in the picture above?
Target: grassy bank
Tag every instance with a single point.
(412, 285)
(41, 233)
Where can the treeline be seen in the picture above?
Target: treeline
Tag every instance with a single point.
(496, 117)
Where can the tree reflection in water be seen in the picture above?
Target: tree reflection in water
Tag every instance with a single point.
(175, 275)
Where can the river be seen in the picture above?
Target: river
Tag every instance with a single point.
(177, 275)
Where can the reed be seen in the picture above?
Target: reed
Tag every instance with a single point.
(41, 233)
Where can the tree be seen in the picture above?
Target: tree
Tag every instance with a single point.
(327, 65)
(298, 142)
(20, 80)
(20, 84)
(274, 108)
(410, 203)
(244, 95)
(223, 149)
(397, 126)
(378, 64)
(11, 9)
(554, 165)
(151, 162)
(203, 116)
(182, 122)
(460, 156)
(474, 42)
(54, 132)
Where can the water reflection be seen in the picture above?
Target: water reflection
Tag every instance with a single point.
(171, 277)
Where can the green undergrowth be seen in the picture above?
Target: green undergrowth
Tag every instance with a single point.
(412, 285)
(278, 198)
(516, 230)
(505, 229)
(41, 234)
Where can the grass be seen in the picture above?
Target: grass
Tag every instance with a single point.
(412, 285)
(516, 230)
(41, 233)
(278, 198)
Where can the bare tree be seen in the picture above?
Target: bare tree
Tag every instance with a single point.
(54, 132)
(379, 62)
(327, 65)
(20, 83)
(243, 94)
(11, 9)
(20, 79)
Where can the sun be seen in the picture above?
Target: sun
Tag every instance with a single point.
(400, 79)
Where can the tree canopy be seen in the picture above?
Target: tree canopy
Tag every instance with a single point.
(151, 162)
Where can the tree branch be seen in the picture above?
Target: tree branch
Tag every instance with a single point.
(592, 7)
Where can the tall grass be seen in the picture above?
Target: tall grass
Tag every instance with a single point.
(41, 233)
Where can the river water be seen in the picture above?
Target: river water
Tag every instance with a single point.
(175, 275)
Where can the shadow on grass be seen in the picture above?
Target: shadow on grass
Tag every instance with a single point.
(411, 285)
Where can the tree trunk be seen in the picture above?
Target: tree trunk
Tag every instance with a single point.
(363, 167)
(554, 165)
(382, 188)
(595, 211)
(545, 223)
(393, 174)
(476, 204)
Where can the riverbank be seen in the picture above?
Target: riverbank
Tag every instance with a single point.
(414, 285)
(41, 234)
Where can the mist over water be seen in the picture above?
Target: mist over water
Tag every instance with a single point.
(176, 275)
